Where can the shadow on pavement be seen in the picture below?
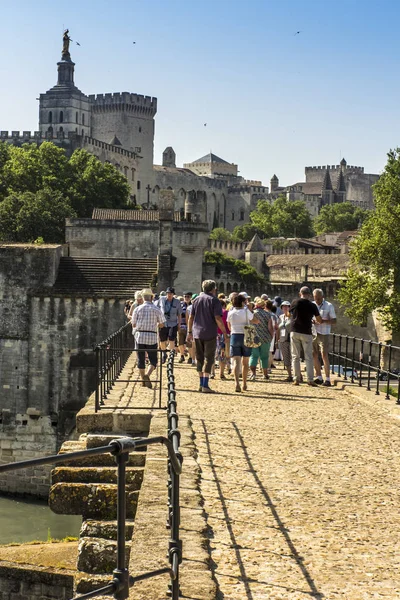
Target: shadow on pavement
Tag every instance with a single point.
(314, 591)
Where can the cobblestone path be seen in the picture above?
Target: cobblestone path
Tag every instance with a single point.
(301, 489)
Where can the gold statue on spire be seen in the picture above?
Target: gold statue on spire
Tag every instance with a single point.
(66, 41)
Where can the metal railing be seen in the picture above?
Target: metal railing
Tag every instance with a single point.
(360, 360)
(111, 357)
(120, 448)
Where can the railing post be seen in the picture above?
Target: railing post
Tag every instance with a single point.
(333, 352)
(339, 354)
(97, 379)
(352, 359)
(361, 364)
(388, 372)
(369, 365)
(345, 357)
(378, 375)
(121, 573)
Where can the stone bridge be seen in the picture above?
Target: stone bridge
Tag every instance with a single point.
(288, 493)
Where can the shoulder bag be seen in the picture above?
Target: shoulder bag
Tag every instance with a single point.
(251, 339)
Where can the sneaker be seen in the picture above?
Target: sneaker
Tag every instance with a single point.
(295, 382)
(252, 377)
(200, 389)
(222, 377)
(318, 381)
(327, 383)
(273, 366)
(207, 390)
(194, 364)
(229, 371)
(182, 359)
(190, 361)
(289, 379)
(312, 384)
(212, 376)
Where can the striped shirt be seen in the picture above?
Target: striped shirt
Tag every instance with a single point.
(146, 319)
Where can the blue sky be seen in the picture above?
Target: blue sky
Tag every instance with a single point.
(273, 101)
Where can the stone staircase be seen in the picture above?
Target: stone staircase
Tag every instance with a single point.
(116, 277)
(88, 487)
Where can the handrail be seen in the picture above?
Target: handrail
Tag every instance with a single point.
(357, 359)
(111, 355)
(121, 448)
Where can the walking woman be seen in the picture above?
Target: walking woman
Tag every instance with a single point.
(284, 338)
(238, 317)
(265, 332)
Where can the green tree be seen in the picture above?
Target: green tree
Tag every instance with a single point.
(220, 235)
(26, 217)
(282, 218)
(246, 272)
(95, 184)
(373, 280)
(244, 233)
(30, 175)
(339, 217)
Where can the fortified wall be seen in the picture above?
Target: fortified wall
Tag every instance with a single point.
(46, 357)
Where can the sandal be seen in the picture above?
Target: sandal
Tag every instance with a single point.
(238, 388)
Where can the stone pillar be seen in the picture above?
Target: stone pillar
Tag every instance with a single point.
(166, 223)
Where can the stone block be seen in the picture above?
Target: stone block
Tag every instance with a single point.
(98, 555)
(92, 501)
(134, 475)
(105, 529)
(33, 412)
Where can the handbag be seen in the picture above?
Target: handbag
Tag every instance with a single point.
(251, 339)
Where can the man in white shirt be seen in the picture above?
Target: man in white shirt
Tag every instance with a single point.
(321, 342)
(147, 319)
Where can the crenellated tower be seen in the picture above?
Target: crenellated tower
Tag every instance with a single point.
(129, 117)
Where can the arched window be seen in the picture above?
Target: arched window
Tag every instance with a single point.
(50, 117)
(61, 129)
(242, 215)
(233, 216)
(61, 116)
(76, 117)
(83, 133)
(138, 185)
(83, 118)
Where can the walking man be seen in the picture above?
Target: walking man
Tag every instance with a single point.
(321, 343)
(171, 309)
(187, 297)
(304, 313)
(147, 319)
(204, 320)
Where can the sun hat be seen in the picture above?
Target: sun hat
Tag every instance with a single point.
(259, 302)
(285, 303)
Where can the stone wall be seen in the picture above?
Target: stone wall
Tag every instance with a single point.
(33, 583)
(134, 239)
(24, 437)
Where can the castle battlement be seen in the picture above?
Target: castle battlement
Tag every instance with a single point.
(335, 168)
(123, 101)
(110, 148)
(26, 136)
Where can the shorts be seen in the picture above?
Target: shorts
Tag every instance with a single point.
(237, 346)
(205, 354)
(151, 350)
(182, 333)
(321, 342)
(168, 333)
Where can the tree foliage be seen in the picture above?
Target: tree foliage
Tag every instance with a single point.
(220, 234)
(342, 216)
(244, 233)
(373, 281)
(282, 218)
(246, 272)
(40, 187)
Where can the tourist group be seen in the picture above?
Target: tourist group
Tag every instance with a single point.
(234, 334)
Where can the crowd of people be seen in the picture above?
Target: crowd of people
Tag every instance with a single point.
(233, 334)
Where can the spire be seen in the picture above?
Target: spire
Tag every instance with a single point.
(327, 182)
(341, 186)
(255, 245)
(65, 67)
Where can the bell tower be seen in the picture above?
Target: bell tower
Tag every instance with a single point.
(64, 108)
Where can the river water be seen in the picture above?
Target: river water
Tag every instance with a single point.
(26, 520)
